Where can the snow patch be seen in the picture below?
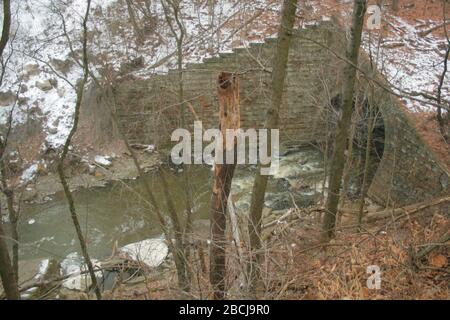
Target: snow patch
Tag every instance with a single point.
(80, 279)
(42, 269)
(29, 173)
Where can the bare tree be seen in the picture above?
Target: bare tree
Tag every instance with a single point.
(272, 119)
(338, 157)
(67, 192)
(9, 192)
(371, 121)
(172, 231)
(134, 22)
(173, 16)
(5, 188)
(443, 123)
(7, 272)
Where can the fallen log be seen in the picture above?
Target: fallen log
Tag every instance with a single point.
(407, 210)
(290, 215)
(426, 32)
(422, 253)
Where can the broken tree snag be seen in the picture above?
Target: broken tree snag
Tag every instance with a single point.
(229, 114)
(228, 94)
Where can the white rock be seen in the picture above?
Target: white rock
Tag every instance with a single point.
(103, 161)
(152, 252)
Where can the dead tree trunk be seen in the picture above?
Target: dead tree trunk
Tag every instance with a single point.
(272, 118)
(338, 158)
(6, 270)
(228, 92)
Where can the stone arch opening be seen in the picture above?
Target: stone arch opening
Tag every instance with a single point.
(364, 116)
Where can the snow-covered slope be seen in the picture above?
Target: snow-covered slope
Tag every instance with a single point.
(412, 62)
(42, 71)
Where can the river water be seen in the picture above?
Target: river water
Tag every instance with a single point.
(119, 212)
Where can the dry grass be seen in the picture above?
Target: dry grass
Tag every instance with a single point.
(338, 270)
(297, 266)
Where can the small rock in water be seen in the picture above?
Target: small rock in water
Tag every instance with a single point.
(31, 221)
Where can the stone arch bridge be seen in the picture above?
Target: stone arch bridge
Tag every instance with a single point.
(408, 172)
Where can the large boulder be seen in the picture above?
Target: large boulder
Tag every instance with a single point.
(62, 66)
(30, 69)
(7, 98)
(44, 85)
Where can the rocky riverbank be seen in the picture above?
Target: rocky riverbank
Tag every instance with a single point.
(88, 174)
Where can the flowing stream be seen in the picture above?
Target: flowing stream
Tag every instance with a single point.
(120, 212)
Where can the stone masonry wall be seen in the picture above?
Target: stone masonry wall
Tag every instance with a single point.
(408, 172)
(150, 110)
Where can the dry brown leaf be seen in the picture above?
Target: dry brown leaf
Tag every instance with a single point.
(364, 293)
(438, 261)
